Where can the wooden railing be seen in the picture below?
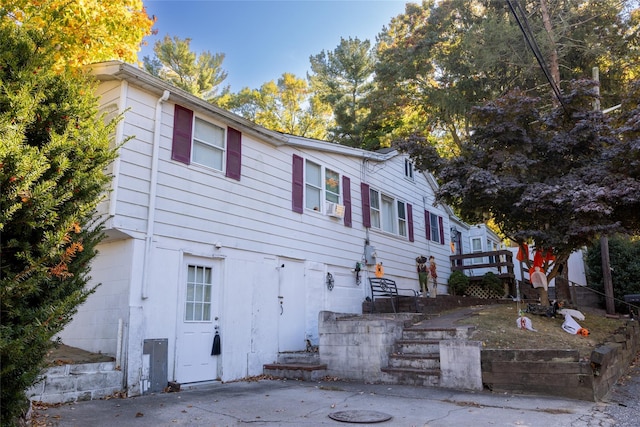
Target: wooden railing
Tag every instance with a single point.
(477, 264)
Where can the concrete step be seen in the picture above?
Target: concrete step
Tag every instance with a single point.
(296, 371)
(422, 333)
(418, 347)
(415, 361)
(409, 376)
(299, 357)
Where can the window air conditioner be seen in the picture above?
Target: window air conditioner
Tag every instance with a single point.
(335, 210)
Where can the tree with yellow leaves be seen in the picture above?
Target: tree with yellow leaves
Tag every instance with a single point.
(84, 31)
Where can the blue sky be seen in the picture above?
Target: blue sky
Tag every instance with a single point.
(262, 39)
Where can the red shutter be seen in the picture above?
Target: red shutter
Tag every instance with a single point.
(182, 125)
(297, 179)
(441, 225)
(346, 199)
(410, 221)
(234, 153)
(427, 224)
(366, 205)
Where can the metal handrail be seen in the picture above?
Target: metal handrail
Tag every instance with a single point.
(604, 295)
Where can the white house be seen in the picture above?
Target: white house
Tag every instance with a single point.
(216, 224)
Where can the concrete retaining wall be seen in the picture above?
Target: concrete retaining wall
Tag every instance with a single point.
(356, 347)
(561, 372)
(70, 383)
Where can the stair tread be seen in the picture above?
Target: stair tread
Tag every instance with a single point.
(412, 370)
(416, 355)
(296, 366)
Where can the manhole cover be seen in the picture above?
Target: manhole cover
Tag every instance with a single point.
(360, 416)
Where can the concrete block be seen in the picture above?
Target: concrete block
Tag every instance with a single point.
(58, 385)
(602, 355)
(460, 364)
(99, 380)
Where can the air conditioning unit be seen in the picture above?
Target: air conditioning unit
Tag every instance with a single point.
(335, 210)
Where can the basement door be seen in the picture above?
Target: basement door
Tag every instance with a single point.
(198, 316)
(292, 300)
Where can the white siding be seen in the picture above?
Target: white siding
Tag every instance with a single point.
(247, 225)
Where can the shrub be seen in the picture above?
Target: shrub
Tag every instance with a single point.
(493, 284)
(458, 283)
(624, 256)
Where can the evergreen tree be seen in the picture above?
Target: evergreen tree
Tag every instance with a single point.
(54, 151)
(174, 62)
(343, 80)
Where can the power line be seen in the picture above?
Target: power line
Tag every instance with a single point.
(523, 23)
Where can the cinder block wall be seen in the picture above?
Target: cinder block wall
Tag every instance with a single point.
(70, 383)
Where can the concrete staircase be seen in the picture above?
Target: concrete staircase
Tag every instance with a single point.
(303, 365)
(416, 358)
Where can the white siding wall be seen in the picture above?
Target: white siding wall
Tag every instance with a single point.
(95, 326)
(253, 222)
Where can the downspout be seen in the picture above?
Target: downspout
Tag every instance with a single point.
(152, 193)
(113, 197)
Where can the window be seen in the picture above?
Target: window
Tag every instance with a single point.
(332, 186)
(390, 215)
(208, 144)
(402, 219)
(408, 169)
(198, 295)
(434, 227)
(476, 247)
(374, 198)
(314, 186)
(198, 141)
(315, 192)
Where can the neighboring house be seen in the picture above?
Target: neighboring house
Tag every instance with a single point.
(216, 224)
(576, 269)
(482, 239)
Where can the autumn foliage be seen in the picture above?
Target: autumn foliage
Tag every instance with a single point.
(86, 31)
(55, 152)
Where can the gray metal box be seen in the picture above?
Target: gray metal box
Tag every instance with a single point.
(158, 351)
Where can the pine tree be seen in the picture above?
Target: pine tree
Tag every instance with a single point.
(54, 149)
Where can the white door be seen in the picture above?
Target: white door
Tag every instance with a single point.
(291, 321)
(197, 322)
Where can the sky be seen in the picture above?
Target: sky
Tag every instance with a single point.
(262, 39)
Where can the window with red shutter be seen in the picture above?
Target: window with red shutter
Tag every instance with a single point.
(346, 198)
(234, 153)
(427, 224)
(297, 180)
(182, 126)
(366, 205)
(410, 221)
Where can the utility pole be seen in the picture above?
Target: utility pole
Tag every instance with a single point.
(604, 240)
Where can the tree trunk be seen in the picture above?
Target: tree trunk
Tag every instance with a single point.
(553, 57)
(606, 275)
(544, 296)
(563, 292)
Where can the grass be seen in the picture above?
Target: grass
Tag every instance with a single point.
(497, 327)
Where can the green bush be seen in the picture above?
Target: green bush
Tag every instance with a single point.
(493, 284)
(624, 256)
(53, 156)
(458, 283)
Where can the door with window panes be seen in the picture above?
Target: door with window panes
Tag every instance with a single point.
(198, 318)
